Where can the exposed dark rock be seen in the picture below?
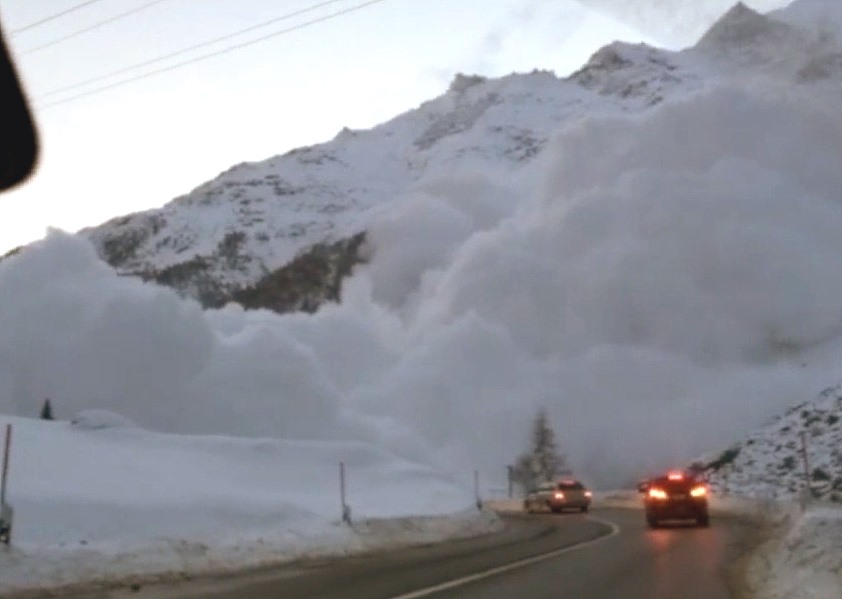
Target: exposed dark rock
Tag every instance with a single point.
(312, 278)
(119, 239)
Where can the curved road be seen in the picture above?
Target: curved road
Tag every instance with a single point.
(607, 554)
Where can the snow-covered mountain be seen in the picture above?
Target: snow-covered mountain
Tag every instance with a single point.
(284, 232)
(246, 228)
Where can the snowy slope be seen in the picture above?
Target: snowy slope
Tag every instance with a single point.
(769, 463)
(102, 498)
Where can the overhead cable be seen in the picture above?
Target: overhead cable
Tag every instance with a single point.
(192, 48)
(97, 25)
(53, 17)
(211, 54)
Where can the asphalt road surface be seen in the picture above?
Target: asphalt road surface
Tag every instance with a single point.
(609, 553)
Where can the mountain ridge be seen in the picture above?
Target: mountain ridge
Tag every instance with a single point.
(238, 230)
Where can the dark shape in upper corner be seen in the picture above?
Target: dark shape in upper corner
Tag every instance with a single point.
(18, 140)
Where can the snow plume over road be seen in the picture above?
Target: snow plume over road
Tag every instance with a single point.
(661, 290)
(668, 282)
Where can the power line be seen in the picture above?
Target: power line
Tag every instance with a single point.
(212, 54)
(92, 27)
(53, 17)
(198, 46)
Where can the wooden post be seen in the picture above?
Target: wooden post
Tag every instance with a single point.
(806, 458)
(5, 509)
(346, 509)
(5, 474)
(476, 489)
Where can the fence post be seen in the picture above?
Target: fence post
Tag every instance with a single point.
(346, 509)
(6, 512)
(476, 490)
(806, 458)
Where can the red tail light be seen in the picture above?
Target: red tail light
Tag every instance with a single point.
(559, 495)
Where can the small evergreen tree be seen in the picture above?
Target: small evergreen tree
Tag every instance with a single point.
(47, 410)
(543, 462)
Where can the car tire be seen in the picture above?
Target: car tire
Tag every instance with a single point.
(703, 521)
(652, 522)
(555, 510)
(527, 507)
(584, 508)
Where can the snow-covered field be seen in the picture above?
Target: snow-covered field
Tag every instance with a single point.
(101, 499)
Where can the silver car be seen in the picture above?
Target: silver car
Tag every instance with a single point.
(557, 496)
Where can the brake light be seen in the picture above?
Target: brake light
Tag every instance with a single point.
(675, 476)
(588, 494)
(698, 492)
(559, 495)
(657, 494)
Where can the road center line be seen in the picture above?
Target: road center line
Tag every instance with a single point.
(458, 582)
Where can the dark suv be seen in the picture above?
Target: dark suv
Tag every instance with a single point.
(676, 496)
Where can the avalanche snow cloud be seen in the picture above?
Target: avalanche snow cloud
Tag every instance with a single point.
(665, 282)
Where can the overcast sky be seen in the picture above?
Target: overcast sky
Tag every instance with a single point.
(139, 145)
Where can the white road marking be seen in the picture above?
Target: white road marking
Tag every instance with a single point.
(458, 582)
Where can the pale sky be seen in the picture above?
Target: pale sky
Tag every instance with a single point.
(139, 145)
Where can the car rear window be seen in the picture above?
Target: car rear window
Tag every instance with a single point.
(573, 486)
(674, 486)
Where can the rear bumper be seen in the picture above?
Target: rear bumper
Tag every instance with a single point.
(676, 510)
(556, 504)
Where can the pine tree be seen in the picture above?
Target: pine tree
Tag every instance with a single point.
(47, 410)
(543, 462)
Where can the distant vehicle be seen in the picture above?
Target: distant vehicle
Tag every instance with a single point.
(557, 496)
(676, 496)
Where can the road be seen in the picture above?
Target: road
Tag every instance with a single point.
(607, 554)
